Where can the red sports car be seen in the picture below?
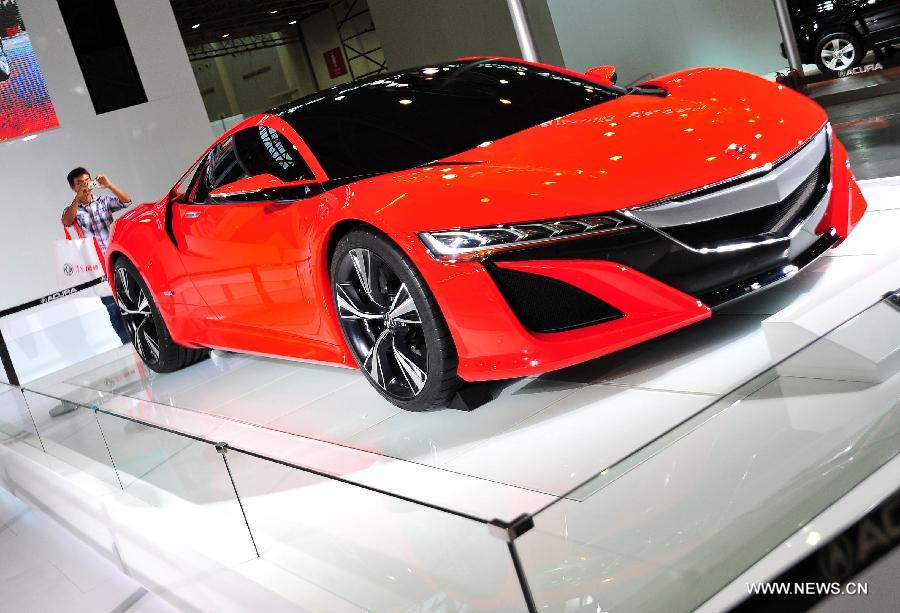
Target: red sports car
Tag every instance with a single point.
(481, 219)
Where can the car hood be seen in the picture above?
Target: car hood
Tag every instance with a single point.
(626, 152)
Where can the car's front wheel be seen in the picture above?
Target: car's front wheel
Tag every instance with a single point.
(392, 323)
(838, 52)
(146, 328)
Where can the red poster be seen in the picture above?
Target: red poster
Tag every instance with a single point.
(334, 59)
(25, 106)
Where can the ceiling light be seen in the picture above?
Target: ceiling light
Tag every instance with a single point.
(195, 26)
(290, 23)
(226, 35)
(273, 12)
(406, 101)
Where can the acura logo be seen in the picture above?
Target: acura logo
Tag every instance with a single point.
(741, 152)
(837, 561)
(68, 269)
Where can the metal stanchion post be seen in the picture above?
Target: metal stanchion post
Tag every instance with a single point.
(791, 50)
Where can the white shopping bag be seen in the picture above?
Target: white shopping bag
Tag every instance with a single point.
(79, 261)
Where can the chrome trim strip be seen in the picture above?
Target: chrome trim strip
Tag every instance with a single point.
(774, 278)
(738, 246)
(771, 188)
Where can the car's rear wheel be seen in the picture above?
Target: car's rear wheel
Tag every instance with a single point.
(392, 323)
(838, 52)
(146, 328)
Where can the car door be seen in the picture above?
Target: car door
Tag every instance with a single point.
(882, 19)
(243, 234)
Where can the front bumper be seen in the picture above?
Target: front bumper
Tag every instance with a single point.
(655, 283)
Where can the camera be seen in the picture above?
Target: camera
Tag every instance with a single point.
(94, 184)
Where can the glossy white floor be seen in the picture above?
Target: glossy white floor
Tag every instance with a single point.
(43, 567)
(537, 441)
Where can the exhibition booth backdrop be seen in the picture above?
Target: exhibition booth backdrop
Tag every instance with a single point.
(142, 147)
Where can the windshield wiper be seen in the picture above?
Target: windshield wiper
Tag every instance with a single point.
(648, 90)
(452, 163)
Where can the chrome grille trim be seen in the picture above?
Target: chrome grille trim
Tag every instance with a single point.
(770, 188)
(765, 239)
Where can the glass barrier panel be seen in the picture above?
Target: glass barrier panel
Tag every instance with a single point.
(183, 487)
(673, 525)
(69, 432)
(16, 425)
(58, 334)
(379, 552)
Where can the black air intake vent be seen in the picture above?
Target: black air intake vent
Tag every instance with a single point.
(543, 304)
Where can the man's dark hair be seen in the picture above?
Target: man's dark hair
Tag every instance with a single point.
(74, 174)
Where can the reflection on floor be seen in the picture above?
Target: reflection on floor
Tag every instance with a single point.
(43, 567)
(700, 506)
(870, 130)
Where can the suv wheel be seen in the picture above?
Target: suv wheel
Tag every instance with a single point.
(838, 52)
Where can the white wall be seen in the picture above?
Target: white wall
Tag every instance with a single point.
(660, 36)
(417, 32)
(142, 148)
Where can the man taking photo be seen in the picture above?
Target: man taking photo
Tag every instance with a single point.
(93, 214)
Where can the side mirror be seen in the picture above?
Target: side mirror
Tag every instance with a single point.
(606, 74)
(247, 184)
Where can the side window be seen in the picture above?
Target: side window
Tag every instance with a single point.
(224, 165)
(220, 167)
(184, 185)
(263, 150)
(247, 153)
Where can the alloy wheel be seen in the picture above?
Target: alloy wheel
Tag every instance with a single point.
(382, 324)
(137, 314)
(838, 54)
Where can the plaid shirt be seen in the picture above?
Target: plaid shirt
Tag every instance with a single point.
(95, 217)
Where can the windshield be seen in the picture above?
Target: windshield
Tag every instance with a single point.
(408, 119)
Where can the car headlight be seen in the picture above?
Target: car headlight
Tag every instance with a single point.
(478, 243)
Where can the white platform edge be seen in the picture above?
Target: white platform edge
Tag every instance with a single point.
(831, 522)
(172, 569)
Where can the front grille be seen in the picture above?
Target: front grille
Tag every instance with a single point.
(543, 304)
(685, 245)
(775, 219)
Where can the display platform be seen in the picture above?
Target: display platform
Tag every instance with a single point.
(573, 422)
(619, 463)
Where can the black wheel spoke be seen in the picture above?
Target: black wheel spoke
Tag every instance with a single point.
(403, 308)
(137, 313)
(123, 289)
(362, 264)
(414, 375)
(349, 308)
(375, 363)
(381, 322)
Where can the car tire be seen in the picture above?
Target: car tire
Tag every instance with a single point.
(148, 332)
(838, 52)
(392, 323)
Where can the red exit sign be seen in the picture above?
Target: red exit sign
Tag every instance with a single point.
(335, 62)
